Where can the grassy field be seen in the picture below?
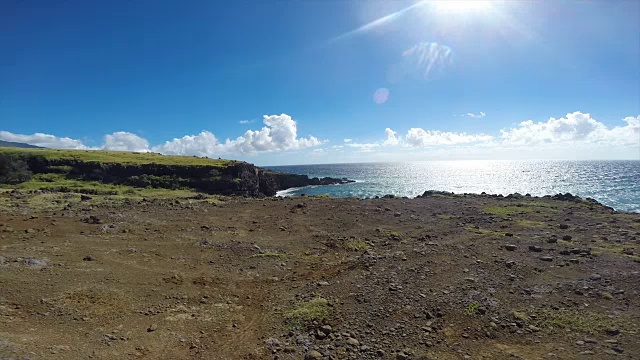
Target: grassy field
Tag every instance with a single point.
(122, 157)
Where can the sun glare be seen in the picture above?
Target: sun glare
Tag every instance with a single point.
(460, 6)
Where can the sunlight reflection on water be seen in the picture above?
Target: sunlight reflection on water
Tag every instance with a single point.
(614, 183)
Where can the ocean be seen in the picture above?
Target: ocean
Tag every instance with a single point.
(613, 183)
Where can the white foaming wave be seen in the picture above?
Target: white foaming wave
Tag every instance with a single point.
(288, 192)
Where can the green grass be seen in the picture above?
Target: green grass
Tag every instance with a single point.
(121, 157)
(303, 314)
(445, 217)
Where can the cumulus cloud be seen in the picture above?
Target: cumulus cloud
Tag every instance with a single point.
(392, 137)
(125, 141)
(348, 140)
(418, 137)
(476, 116)
(279, 134)
(44, 140)
(574, 127)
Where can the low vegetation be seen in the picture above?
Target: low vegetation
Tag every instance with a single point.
(305, 313)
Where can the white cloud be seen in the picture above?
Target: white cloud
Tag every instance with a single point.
(44, 140)
(125, 141)
(279, 134)
(318, 150)
(418, 137)
(246, 121)
(348, 140)
(203, 144)
(575, 127)
(476, 116)
(392, 137)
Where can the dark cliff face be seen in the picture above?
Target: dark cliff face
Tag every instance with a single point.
(239, 178)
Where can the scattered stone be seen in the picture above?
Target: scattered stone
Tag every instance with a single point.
(534, 328)
(567, 238)
(353, 342)
(612, 332)
(546, 258)
(84, 197)
(402, 356)
(152, 328)
(563, 226)
(595, 277)
(508, 234)
(510, 247)
(535, 248)
(89, 258)
(326, 329)
(618, 349)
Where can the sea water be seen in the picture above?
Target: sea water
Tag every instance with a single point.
(613, 183)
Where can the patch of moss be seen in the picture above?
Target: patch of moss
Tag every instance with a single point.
(444, 217)
(303, 314)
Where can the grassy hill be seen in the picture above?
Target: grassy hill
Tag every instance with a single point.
(17, 145)
(118, 172)
(113, 157)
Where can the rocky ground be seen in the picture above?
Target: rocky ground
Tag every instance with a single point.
(440, 277)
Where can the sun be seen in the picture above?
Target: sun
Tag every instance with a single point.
(461, 6)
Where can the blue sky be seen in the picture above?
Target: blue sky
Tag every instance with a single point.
(288, 82)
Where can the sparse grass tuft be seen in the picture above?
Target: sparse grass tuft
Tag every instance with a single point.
(270, 255)
(579, 320)
(481, 231)
(530, 223)
(303, 314)
(356, 245)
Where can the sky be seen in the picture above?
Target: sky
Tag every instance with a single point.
(298, 82)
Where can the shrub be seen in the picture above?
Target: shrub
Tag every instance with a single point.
(13, 170)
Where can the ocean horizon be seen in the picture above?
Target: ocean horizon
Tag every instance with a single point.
(612, 182)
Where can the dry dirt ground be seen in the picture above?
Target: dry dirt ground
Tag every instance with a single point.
(444, 277)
